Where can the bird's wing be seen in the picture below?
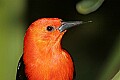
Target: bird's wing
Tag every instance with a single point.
(21, 70)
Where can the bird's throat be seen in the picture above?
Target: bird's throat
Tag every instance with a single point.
(47, 60)
(51, 64)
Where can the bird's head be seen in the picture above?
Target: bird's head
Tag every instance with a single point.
(46, 32)
(49, 30)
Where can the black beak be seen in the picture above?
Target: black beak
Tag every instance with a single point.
(69, 24)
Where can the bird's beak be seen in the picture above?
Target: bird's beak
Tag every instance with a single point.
(69, 24)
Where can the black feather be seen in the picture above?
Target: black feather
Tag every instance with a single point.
(21, 70)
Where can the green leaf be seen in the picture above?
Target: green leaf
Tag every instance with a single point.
(88, 6)
(117, 76)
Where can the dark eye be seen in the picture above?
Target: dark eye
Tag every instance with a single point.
(50, 28)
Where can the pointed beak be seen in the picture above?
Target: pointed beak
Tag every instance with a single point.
(69, 24)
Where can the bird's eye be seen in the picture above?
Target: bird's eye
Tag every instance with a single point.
(50, 28)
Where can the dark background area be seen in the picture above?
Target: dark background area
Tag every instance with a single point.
(89, 44)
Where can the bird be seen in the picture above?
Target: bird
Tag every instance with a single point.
(43, 57)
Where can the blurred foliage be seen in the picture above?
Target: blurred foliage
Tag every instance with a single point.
(11, 36)
(88, 6)
(117, 76)
(112, 65)
(94, 46)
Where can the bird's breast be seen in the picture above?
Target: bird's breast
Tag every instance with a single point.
(51, 67)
